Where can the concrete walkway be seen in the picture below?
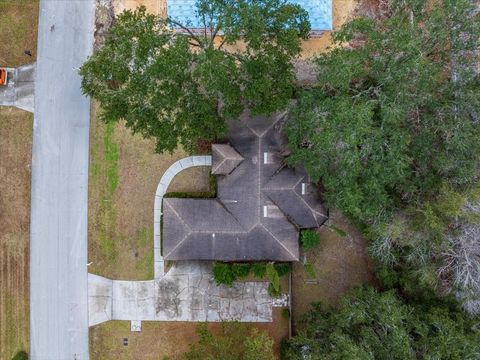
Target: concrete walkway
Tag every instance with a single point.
(20, 90)
(162, 187)
(58, 228)
(187, 292)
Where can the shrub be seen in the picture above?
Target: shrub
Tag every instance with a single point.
(21, 355)
(309, 239)
(282, 268)
(310, 270)
(273, 291)
(223, 274)
(241, 271)
(272, 275)
(338, 231)
(259, 269)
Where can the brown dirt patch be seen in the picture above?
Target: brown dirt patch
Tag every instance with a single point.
(18, 31)
(159, 340)
(124, 174)
(157, 7)
(343, 10)
(15, 175)
(340, 262)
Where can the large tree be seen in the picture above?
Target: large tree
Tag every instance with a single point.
(396, 111)
(372, 325)
(177, 85)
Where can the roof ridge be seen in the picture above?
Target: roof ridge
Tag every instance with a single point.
(310, 208)
(218, 200)
(266, 187)
(218, 166)
(185, 225)
(278, 241)
(281, 116)
(225, 155)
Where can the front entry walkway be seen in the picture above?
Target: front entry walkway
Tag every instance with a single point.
(172, 171)
(187, 292)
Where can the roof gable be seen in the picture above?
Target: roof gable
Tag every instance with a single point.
(260, 204)
(224, 159)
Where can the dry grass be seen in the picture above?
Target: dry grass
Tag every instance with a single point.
(18, 31)
(124, 174)
(159, 340)
(120, 230)
(15, 174)
(340, 262)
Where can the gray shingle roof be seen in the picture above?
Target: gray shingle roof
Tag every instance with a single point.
(260, 204)
(224, 159)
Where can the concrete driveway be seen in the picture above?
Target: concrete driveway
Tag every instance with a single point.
(58, 241)
(20, 90)
(187, 292)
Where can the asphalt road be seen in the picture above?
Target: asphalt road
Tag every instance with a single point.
(58, 240)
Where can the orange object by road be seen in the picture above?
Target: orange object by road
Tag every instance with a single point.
(3, 76)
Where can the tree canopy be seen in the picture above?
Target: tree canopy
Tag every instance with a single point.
(375, 325)
(178, 86)
(395, 113)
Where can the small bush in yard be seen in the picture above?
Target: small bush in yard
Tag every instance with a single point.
(310, 270)
(259, 269)
(338, 231)
(241, 271)
(273, 291)
(272, 275)
(21, 355)
(282, 268)
(223, 274)
(309, 239)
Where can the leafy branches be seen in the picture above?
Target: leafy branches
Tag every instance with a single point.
(375, 325)
(386, 125)
(228, 273)
(180, 86)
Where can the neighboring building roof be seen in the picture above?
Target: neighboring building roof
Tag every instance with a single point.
(260, 204)
(319, 11)
(224, 159)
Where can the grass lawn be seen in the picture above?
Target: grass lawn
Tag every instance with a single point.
(18, 31)
(162, 340)
(339, 263)
(15, 174)
(124, 174)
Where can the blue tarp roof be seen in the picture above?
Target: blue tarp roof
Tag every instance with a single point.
(320, 12)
